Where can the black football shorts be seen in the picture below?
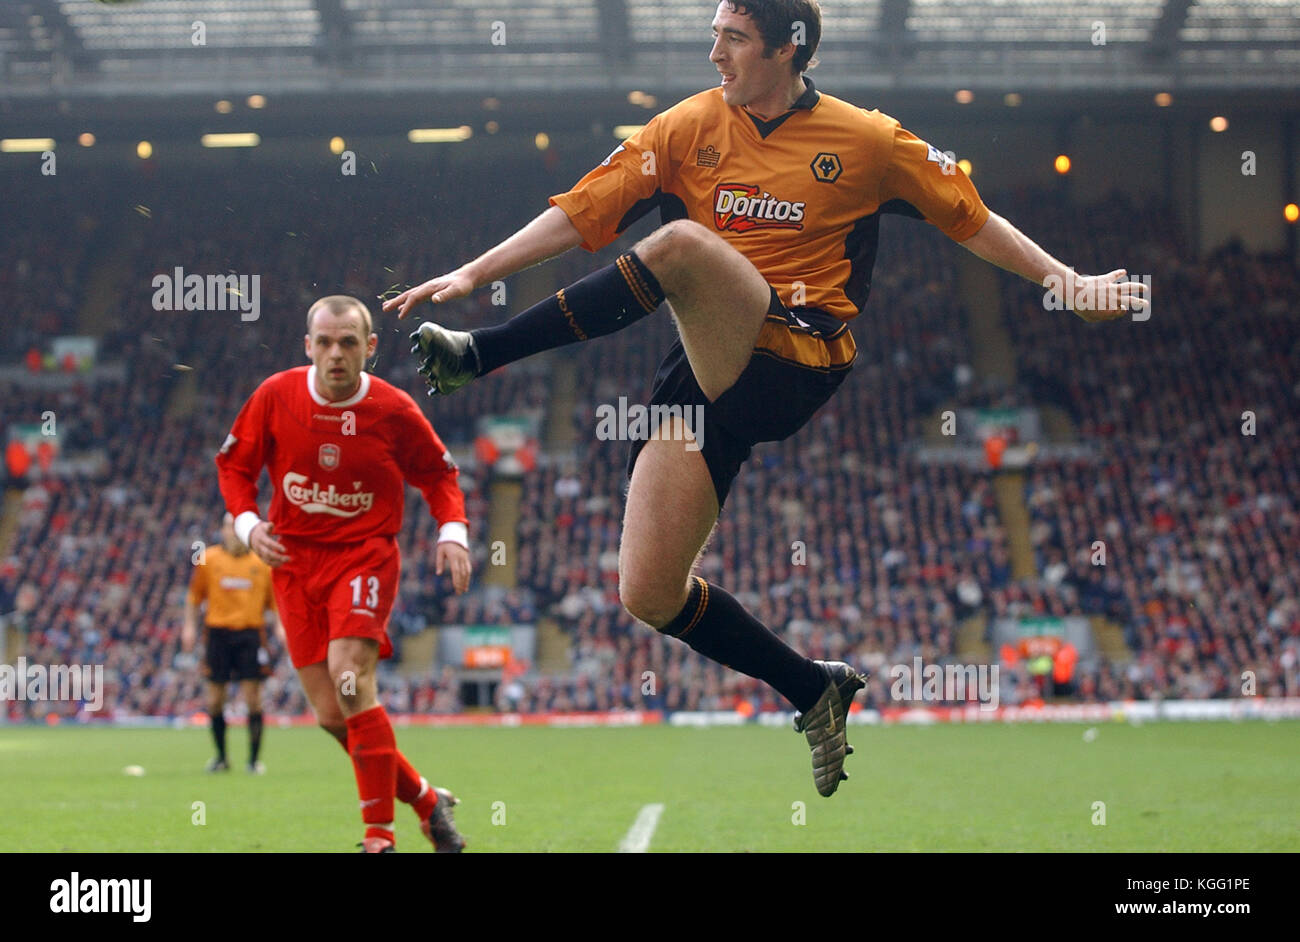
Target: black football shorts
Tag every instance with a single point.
(236, 654)
(770, 401)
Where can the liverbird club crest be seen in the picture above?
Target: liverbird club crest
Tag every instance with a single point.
(328, 457)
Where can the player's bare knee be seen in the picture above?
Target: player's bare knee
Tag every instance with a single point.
(673, 251)
(648, 603)
(330, 718)
(646, 612)
(346, 676)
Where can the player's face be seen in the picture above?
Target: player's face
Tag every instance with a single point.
(738, 55)
(338, 346)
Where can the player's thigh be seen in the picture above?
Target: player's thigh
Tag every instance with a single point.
(216, 695)
(670, 511)
(318, 686)
(717, 296)
(251, 692)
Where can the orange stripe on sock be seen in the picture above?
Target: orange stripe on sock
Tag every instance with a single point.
(699, 609)
(629, 279)
(651, 303)
(635, 283)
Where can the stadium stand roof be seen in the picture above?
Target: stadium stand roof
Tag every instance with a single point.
(56, 48)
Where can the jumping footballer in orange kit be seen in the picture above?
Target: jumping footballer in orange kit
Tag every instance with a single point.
(771, 193)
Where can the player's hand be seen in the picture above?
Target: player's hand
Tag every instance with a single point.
(446, 287)
(455, 557)
(1107, 297)
(187, 638)
(261, 542)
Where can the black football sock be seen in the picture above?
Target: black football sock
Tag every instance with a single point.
(717, 626)
(254, 736)
(605, 301)
(219, 733)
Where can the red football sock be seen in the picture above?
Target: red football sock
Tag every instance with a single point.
(411, 788)
(374, 759)
(408, 780)
(414, 790)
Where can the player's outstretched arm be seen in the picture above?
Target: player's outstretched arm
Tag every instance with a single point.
(545, 237)
(1092, 297)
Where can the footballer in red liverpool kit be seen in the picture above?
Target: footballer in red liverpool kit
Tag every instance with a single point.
(337, 471)
(340, 445)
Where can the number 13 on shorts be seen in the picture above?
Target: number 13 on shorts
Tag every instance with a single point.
(365, 594)
(330, 593)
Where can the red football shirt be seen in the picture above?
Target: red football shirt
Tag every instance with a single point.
(337, 467)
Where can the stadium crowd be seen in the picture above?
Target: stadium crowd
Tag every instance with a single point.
(842, 539)
(1192, 493)
(108, 556)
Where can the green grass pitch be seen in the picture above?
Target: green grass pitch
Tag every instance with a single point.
(1166, 787)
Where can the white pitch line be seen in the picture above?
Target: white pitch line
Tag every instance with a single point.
(638, 836)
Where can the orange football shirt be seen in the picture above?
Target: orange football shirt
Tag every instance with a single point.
(236, 588)
(800, 196)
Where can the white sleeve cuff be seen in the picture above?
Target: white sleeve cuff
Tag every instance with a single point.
(454, 532)
(244, 524)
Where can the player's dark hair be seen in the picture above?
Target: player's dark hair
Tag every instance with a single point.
(777, 22)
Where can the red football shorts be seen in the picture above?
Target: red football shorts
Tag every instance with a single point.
(335, 590)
